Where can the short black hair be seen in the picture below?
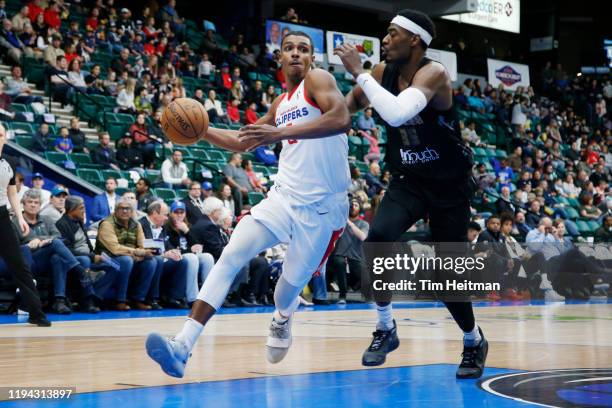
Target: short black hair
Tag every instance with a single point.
(422, 20)
(146, 182)
(299, 34)
(473, 225)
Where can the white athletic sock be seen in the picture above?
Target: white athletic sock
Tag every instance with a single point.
(472, 338)
(190, 333)
(278, 317)
(385, 317)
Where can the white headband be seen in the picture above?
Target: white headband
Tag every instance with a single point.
(412, 27)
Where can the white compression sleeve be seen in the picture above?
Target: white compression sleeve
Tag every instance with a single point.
(395, 110)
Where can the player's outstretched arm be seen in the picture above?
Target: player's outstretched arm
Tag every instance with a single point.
(321, 87)
(395, 110)
(229, 140)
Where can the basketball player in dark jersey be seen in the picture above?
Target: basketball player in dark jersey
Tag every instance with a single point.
(431, 168)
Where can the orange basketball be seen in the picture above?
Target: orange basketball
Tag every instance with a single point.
(184, 121)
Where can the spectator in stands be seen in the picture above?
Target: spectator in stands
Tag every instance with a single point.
(169, 14)
(54, 50)
(179, 236)
(38, 182)
(128, 155)
(50, 253)
(121, 63)
(174, 172)
(604, 233)
(205, 67)
(142, 140)
(256, 184)
(20, 19)
(233, 112)
(56, 206)
(104, 203)
(103, 154)
(125, 99)
(469, 135)
(143, 102)
(143, 193)
(207, 231)
(504, 202)
(42, 140)
(11, 44)
(77, 136)
(173, 270)
(225, 195)
(504, 174)
(61, 82)
(255, 95)
(194, 204)
(63, 143)
(52, 15)
(122, 238)
(348, 257)
(150, 30)
(587, 209)
(366, 123)
(268, 97)
(474, 230)
(238, 180)
(75, 75)
(18, 89)
(178, 90)
(251, 114)
(198, 95)
(214, 108)
(534, 214)
(6, 107)
(72, 229)
(373, 180)
(131, 197)
(515, 160)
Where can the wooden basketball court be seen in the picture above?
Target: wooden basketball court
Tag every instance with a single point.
(108, 354)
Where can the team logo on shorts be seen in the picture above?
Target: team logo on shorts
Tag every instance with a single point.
(507, 75)
(591, 387)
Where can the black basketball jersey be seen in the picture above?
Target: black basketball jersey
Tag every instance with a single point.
(427, 146)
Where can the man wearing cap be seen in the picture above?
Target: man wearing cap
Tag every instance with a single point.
(38, 181)
(50, 253)
(104, 204)
(73, 231)
(431, 167)
(173, 269)
(54, 50)
(121, 237)
(56, 207)
(194, 204)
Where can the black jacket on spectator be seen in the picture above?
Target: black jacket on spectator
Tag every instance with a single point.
(532, 219)
(129, 158)
(68, 228)
(41, 144)
(179, 240)
(105, 157)
(495, 245)
(78, 140)
(193, 212)
(374, 184)
(209, 235)
(505, 206)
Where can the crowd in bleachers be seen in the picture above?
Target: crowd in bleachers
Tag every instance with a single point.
(540, 156)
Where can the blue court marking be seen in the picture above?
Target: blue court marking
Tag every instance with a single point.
(106, 315)
(431, 386)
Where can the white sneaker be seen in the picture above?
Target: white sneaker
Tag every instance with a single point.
(279, 340)
(170, 354)
(550, 295)
(545, 284)
(341, 301)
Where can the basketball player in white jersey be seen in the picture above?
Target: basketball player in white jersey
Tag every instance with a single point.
(306, 208)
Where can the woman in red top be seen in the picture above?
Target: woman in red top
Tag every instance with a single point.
(92, 21)
(52, 16)
(140, 135)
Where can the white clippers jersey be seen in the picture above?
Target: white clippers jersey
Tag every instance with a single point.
(310, 169)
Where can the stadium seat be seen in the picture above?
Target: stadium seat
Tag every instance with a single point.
(255, 197)
(90, 175)
(165, 194)
(152, 175)
(24, 141)
(56, 158)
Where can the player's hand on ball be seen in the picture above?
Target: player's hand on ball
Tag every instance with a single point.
(349, 55)
(258, 135)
